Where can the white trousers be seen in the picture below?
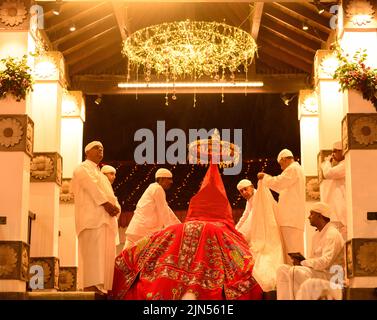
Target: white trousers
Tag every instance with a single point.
(293, 241)
(289, 279)
(97, 252)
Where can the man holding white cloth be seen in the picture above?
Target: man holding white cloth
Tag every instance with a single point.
(152, 211)
(246, 189)
(96, 225)
(290, 185)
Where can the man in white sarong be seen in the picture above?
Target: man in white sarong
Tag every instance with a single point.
(246, 189)
(325, 262)
(110, 173)
(152, 211)
(290, 185)
(334, 170)
(96, 224)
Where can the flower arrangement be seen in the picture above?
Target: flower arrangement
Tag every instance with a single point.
(354, 74)
(15, 78)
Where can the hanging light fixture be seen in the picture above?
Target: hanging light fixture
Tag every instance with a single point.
(57, 7)
(305, 26)
(319, 6)
(189, 50)
(72, 27)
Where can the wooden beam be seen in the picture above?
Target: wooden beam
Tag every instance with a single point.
(290, 48)
(296, 11)
(289, 34)
(207, 1)
(255, 19)
(108, 84)
(92, 58)
(289, 39)
(279, 65)
(99, 37)
(287, 57)
(121, 15)
(293, 24)
(112, 43)
(103, 22)
(62, 21)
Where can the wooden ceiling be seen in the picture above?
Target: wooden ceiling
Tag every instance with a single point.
(93, 51)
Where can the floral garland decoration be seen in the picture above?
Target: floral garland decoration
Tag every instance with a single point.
(15, 78)
(354, 74)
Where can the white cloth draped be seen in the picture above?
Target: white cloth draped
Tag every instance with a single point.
(264, 239)
(152, 214)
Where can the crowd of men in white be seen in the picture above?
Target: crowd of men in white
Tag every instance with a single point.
(278, 246)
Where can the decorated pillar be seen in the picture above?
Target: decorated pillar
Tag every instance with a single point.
(308, 116)
(330, 107)
(72, 125)
(46, 165)
(16, 147)
(359, 137)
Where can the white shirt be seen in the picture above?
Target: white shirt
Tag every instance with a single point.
(91, 189)
(152, 213)
(335, 193)
(290, 185)
(246, 215)
(327, 249)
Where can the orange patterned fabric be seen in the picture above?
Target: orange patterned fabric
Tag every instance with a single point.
(205, 258)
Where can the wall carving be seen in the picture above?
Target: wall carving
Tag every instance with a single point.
(16, 133)
(312, 188)
(66, 196)
(68, 279)
(361, 257)
(46, 167)
(50, 267)
(14, 260)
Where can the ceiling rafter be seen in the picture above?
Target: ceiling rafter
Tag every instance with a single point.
(255, 19)
(286, 37)
(297, 12)
(92, 49)
(293, 24)
(63, 20)
(120, 13)
(97, 38)
(103, 21)
(285, 56)
(291, 49)
(93, 58)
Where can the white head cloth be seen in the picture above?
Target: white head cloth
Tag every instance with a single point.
(92, 144)
(284, 154)
(108, 169)
(337, 145)
(243, 184)
(163, 173)
(322, 208)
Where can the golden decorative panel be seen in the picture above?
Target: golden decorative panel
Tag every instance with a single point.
(16, 133)
(359, 131)
(361, 255)
(50, 267)
(68, 279)
(14, 260)
(66, 196)
(312, 188)
(46, 167)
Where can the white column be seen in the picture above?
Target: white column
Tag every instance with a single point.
(46, 167)
(72, 125)
(308, 116)
(359, 136)
(16, 148)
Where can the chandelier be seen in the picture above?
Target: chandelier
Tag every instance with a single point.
(189, 50)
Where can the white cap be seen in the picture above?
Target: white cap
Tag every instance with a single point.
(163, 173)
(243, 184)
(322, 208)
(108, 169)
(284, 154)
(92, 144)
(337, 145)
